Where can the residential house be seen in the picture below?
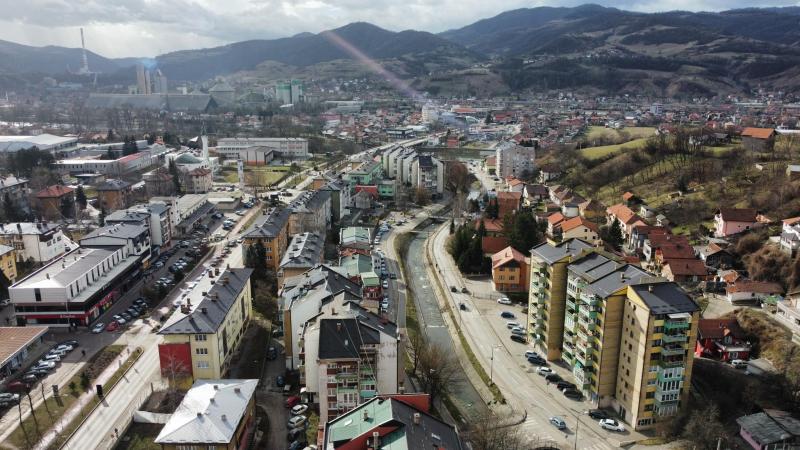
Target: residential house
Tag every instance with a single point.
(510, 271)
(514, 184)
(580, 228)
(305, 252)
(388, 421)
(218, 414)
(549, 172)
(592, 210)
(758, 139)
(685, 270)
(722, 339)
(639, 237)
(356, 265)
(625, 216)
(39, 242)
(198, 180)
(271, 231)
(656, 240)
(570, 209)
(748, 291)
(793, 172)
(158, 183)
(731, 221)
(490, 164)
(349, 357)
(534, 193)
(788, 313)
(508, 203)
(114, 194)
(355, 240)
(554, 222)
(50, 201)
(716, 256)
(202, 336)
(790, 236)
(770, 429)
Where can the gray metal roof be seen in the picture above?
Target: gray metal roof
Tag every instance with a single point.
(770, 427)
(113, 185)
(28, 227)
(626, 275)
(63, 271)
(593, 266)
(117, 230)
(210, 313)
(344, 337)
(269, 225)
(305, 250)
(321, 280)
(552, 253)
(665, 298)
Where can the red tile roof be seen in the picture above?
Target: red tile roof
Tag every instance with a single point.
(676, 251)
(513, 196)
(493, 244)
(759, 287)
(54, 191)
(758, 133)
(627, 196)
(738, 214)
(624, 214)
(507, 255)
(494, 225)
(576, 222)
(555, 218)
(719, 328)
(687, 267)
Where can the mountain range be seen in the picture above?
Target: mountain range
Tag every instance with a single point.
(587, 47)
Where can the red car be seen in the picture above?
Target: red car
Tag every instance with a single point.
(292, 401)
(112, 326)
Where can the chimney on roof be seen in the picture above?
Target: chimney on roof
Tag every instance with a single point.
(376, 440)
(205, 310)
(649, 288)
(216, 387)
(224, 418)
(237, 390)
(417, 418)
(366, 415)
(199, 414)
(338, 326)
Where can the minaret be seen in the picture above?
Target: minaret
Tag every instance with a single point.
(85, 66)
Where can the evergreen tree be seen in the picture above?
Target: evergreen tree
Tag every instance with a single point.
(176, 177)
(102, 217)
(67, 207)
(9, 209)
(110, 136)
(452, 226)
(522, 231)
(80, 198)
(613, 235)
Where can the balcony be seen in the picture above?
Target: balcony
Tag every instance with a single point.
(571, 304)
(672, 338)
(582, 379)
(676, 325)
(586, 323)
(343, 376)
(584, 358)
(589, 299)
(670, 364)
(672, 351)
(581, 333)
(367, 393)
(669, 376)
(569, 323)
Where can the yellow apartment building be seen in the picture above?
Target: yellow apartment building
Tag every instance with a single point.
(8, 262)
(200, 339)
(272, 230)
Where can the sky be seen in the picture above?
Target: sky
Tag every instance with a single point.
(146, 28)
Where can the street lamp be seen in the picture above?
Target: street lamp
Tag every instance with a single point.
(491, 364)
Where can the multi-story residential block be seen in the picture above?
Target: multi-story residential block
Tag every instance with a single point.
(74, 289)
(201, 338)
(155, 216)
(198, 180)
(114, 194)
(514, 160)
(186, 211)
(388, 420)
(427, 172)
(18, 191)
(349, 358)
(596, 292)
(659, 332)
(8, 262)
(285, 148)
(218, 414)
(340, 199)
(310, 212)
(39, 241)
(547, 293)
(367, 173)
(304, 296)
(271, 231)
(136, 238)
(304, 253)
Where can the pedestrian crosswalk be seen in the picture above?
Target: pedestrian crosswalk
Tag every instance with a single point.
(544, 433)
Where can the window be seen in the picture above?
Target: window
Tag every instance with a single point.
(201, 351)
(650, 395)
(331, 392)
(202, 364)
(200, 337)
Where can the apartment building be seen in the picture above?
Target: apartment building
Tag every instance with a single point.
(349, 357)
(514, 160)
(271, 230)
(201, 338)
(310, 211)
(114, 194)
(304, 253)
(37, 241)
(596, 291)
(427, 172)
(155, 216)
(547, 294)
(8, 262)
(18, 191)
(659, 333)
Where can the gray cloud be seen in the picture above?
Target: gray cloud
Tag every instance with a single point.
(118, 28)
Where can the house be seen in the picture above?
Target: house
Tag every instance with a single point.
(656, 240)
(39, 241)
(114, 194)
(515, 185)
(570, 209)
(793, 172)
(592, 210)
(554, 222)
(534, 193)
(216, 413)
(508, 203)
(639, 236)
(747, 291)
(730, 221)
(490, 164)
(758, 139)
(790, 235)
(52, 200)
(158, 182)
(788, 314)
(348, 357)
(580, 228)
(721, 339)
(493, 227)
(310, 212)
(510, 270)
(631, 199)
(717, 257)
(684, 270)
(355, 238)
(198, 180)
(770, 429)
(271, 231)
(8, 262)
(401, 421)
(625, 216)
(549, 172)
(202, 336)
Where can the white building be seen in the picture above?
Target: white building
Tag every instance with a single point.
(39, 241)
(514, 160)
(73, 289)
(286, 148)
(56, 145)
(155, 216)
(427, 172)
(136, 238)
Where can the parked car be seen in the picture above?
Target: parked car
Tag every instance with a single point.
(119, 319)
(511, 326)
(504, 301)
(558, 422)
(112, 326)
(573, 394)
(598, 414)
(29, 378)
(529, 353)
(739, 364)
(299, 409)
(611, 425)
(296, 421)
(98, 327)
(544, 371)
(272, 353)
(553, 378)
(462, 306)
(292, 401)
(518, 331)
(51, 357)
(537, 361)
(73, 343)
(562, 385)
(8, 396)
(507, 315)
(453, 289)
(46, 365)
(295, 433)
(518, 338)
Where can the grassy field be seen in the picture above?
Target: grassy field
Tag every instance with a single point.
(610, 133)
(605, 150)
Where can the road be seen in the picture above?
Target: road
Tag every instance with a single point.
(487, 334)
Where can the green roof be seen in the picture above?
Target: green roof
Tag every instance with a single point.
(355, 425)
(355, 264)
(369, 279)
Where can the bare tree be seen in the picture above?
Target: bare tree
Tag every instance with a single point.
(416, 346)
(436, 370)
(174, 370)
(493, 432)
